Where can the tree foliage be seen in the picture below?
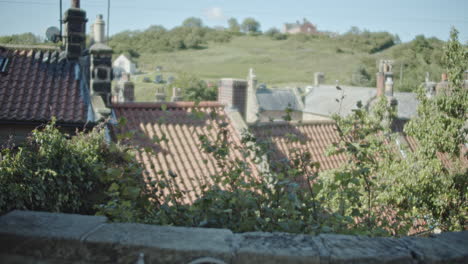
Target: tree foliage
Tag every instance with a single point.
(275, 34)
(441, 129)
(191, 35)
(367, 41)
(25, 38)
(250, 25)
(194, 89)
(193, 22)
(441, 122)
(81, 174)
(233, 25)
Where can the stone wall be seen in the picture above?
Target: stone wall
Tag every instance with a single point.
(37, 237)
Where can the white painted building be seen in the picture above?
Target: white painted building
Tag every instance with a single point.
(123, 64)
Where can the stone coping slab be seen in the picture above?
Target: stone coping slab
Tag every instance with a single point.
(39, 237)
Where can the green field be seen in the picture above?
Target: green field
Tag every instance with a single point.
(276, 63)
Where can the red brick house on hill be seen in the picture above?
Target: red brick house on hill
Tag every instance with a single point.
(295, 28)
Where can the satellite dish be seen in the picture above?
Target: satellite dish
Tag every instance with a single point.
(53, 34)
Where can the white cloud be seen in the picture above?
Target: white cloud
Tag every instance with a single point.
(215, 13)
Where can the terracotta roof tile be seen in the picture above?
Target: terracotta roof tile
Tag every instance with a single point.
(39, 85)
(316, 138)
(181, 153)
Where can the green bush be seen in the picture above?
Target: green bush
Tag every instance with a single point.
(194, 89)
(53, 172)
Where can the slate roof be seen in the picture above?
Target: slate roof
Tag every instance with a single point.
(38, 85)
(277, 99)
(317, 137)
(321, 100)
(407, 104)
(181, 154)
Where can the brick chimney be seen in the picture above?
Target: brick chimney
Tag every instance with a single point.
(385, 72)
(75, 30)
(233, 93)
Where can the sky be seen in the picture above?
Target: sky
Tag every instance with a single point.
(406, 18)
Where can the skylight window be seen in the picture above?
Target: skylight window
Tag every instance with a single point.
(4, 64)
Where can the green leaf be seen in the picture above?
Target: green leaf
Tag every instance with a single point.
(114, 187)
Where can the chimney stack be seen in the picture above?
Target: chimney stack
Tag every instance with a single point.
(101, 71)
(251, 109)
(233, 93)
(75, 4)
(385, 72)
(75, 30)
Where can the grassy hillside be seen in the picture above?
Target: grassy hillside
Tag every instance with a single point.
(277, 63)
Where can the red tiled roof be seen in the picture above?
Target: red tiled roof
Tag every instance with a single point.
(317, 137)
(39, 85)
(182, 153)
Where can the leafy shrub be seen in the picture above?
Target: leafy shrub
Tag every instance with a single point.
(219, 36)
(275, 34)
(194, 89)
(53, 172)
(367, 41)
(25, 38)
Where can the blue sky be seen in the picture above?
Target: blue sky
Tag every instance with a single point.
(407, 18)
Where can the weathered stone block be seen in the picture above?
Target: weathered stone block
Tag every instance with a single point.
(46, 235)
(123, 243)
(444, 248)
(359, 249)
(261, 247)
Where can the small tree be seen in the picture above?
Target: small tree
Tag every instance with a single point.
(193, 22)
(440, 129)
(441, 122)
(250, 25)
(233, 25)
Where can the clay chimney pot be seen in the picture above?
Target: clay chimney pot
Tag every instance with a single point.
(75, 4)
